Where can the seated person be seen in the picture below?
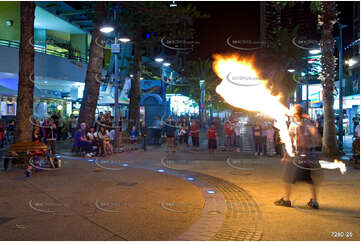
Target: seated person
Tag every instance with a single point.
(104, 138)
(81, 141)
(93, 138)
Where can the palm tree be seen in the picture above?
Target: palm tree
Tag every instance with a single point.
(327, 19)
(157, 17)
(95, 66)
(26, 74)
(280, 56)
(197, 70)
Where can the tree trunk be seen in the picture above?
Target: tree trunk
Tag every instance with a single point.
(134, 104)
(328, 12)
(94, 71)
(25, 99)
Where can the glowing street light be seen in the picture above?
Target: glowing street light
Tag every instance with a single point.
(124, 39)
(315, 51)
(291, 70)
(350, 62)
(106, 29)
(159, 59)
(166, 64)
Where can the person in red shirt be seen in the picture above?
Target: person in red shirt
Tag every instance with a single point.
(229, 131)
(194, 132)
(212, 138)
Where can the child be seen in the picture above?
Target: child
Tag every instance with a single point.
(212, 138)
(133, 137)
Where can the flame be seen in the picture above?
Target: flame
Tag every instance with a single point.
(336, 164)
(241, 87)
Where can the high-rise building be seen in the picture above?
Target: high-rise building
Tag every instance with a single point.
(292, 15)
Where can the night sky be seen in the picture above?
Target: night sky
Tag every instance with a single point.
(237, 19)
(241, 20)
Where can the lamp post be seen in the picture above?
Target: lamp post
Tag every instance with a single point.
(340, 74)
(115, 49)
(201, 85)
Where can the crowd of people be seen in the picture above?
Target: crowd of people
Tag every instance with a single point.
(179, 133)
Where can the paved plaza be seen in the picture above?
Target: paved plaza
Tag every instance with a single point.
(191, 195)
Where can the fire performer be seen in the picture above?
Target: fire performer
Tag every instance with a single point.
(303, 135)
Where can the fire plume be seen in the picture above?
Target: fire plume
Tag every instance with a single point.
(241, 87)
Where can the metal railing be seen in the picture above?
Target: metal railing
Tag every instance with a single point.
(40, 49)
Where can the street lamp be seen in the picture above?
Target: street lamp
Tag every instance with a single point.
(124, 39)
(201, 85)
(115, 49)
(291, 70)
(106, 29)
(159, 59)
(166, 64)
(315, 51)
(350, 62)
(340, 74)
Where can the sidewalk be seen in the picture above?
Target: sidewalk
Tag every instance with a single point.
(189, 195)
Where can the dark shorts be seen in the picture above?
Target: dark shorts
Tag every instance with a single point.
(195, 141)
(212, 144)
(299, 173)
(183, 139)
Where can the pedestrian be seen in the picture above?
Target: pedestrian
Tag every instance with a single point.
(194, 133)
(270, 135)
(182, 134)
(10, 132)
(66, 129)
(143, 132)
(36, 135)
(257, 137)
(73, 125)
(157, 127)
(59, 130)
(237, 135)
(51, 136)
(55, 118)
(170, 134)
(302, 133)
(229, 136)
(133, 134)
(2, 132)
(212, 139)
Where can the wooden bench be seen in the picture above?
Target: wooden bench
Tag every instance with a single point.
(19, 153)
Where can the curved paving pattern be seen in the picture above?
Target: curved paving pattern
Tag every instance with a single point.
(239, 213)
(229, 213)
